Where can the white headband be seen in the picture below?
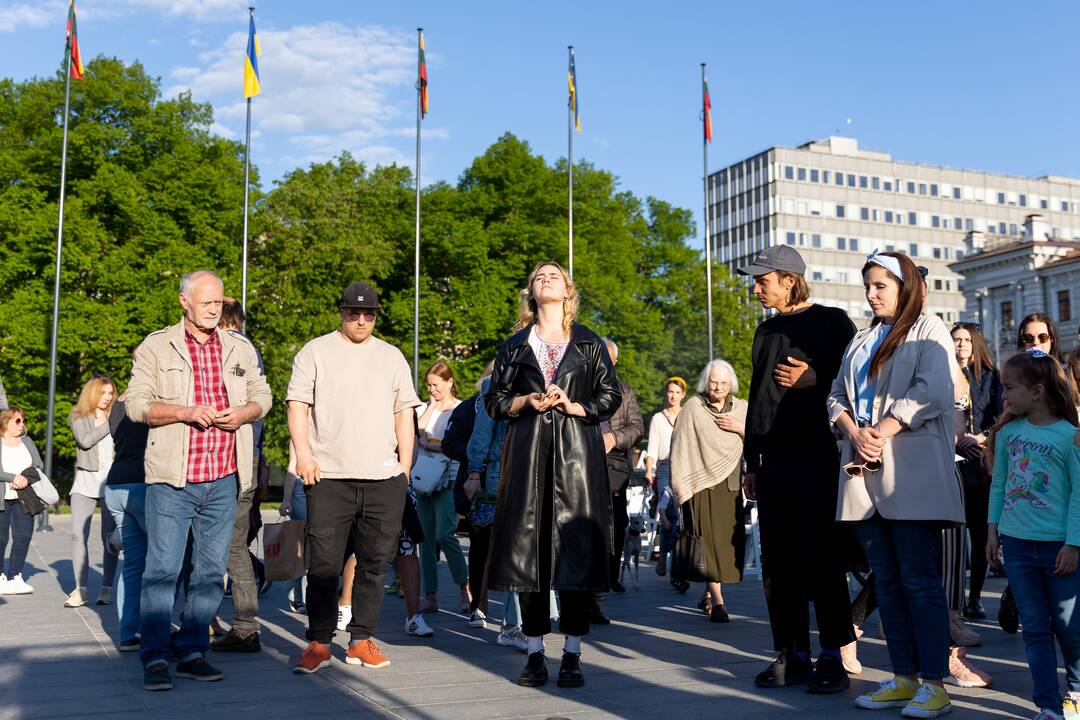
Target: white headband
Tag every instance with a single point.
(888, 262)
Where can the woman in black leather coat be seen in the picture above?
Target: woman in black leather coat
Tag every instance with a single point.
(554, 381)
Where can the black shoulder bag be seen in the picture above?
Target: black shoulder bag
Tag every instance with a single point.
(688, 559)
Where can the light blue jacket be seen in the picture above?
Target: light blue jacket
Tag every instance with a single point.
(485, 444)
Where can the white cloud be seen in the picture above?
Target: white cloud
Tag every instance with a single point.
(325, 88)
(25, 15)
(205, 10)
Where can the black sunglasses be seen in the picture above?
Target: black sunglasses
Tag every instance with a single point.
(1029, 339)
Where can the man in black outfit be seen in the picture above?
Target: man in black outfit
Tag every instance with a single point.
(792, 471)
(621, 433)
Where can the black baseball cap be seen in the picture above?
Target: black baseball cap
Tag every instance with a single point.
(359, 295)
(778, 257)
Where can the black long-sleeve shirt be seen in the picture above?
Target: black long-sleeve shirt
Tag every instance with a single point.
(793, 420)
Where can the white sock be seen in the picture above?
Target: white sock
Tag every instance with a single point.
(572, 644)
(536, 644)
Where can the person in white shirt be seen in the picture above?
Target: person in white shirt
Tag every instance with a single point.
(17, 455)
(657, 463)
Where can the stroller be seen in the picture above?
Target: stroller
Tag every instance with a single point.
(637, 508)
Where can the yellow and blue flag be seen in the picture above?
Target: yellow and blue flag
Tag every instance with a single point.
(573, 93)
(251, 63)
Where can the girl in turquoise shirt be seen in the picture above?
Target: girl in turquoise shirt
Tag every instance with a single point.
(1035, 518)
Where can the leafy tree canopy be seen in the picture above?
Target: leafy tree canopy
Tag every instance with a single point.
(152, 194)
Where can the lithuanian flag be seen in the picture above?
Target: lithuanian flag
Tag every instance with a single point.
(707, 105)
(77, 69)
(251, 62)
(573, 94)
(423, 80)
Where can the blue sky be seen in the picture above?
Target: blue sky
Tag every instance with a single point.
(988, 85)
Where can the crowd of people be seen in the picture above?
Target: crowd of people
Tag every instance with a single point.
(897, 455)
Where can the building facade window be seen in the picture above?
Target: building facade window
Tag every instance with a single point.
(817, 276)
(1001, 198)
(958, 223)
(826, 176)
(1023, 200)
(813, 176)
(875, 183)
(935, 221)
(815, 240)
(922, 188)
(853, 244)
(864, 213)
(802, 174)
(956, 193)
(790, 238)
(933, 189)
(888, 186)
(864, 182)
(839, 211)
(888, 216)
(911, 188)
(913, 249)
(937, 284)
(912, 219)
(937, 253)
(841, 243)
(840, 179)
(1064, 303)
(789, 172)
(851, 181)
(1007, 315)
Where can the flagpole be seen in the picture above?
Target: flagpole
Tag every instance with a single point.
(708, 238)
(416, 245)
(247, 189)
(43, 521)
(570, 161)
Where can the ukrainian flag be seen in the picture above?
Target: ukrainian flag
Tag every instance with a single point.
(251, 63)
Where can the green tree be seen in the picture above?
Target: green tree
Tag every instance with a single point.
(150, 194)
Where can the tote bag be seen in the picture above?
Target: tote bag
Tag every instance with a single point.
(283, 549)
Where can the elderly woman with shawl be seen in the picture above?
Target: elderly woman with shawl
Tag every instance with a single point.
(706, 475)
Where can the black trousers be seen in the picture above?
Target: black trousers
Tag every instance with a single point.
(804, 552)
(573, 605)
(14, 521)
(620, 520)
(479, 544)
(370, 511)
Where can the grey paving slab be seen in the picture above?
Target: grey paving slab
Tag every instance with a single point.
(660, 658)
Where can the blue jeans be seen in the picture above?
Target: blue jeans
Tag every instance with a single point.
(905, 556)
(127, 503)
(1047, 605)
(207, 510)
(299, 512)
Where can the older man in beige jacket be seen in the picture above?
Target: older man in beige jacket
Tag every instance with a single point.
(199, 388)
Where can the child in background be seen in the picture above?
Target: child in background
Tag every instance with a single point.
(1035, 509)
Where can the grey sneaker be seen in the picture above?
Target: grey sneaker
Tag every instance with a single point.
(199, 669)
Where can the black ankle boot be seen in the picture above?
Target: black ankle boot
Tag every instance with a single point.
(570, 671)
(535, 673)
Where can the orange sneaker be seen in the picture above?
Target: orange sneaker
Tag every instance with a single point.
(366, 653)
(315, 657)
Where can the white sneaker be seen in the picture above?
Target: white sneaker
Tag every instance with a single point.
(416, 625)
(3, 584)
(344, 616)
(478, 619)
(77, 598)
(15, 585)
(513, 637)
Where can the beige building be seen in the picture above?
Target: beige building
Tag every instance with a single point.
(1006, 278)
(836, 203)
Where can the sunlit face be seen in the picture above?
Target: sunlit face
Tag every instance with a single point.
(882, 291)
(718, 385)
(1036, 335)
(202, 304)
(15, 426)
(357, 324)
(674, 395)
(1019, 399)
(438, 388)
(772, 291)
(107, 394)
(962, 342)
(548, 285)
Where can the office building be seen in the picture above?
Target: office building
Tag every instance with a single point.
(836, 203)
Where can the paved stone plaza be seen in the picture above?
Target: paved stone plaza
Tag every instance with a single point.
(659, 659)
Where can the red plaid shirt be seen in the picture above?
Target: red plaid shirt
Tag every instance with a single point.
(211, 452)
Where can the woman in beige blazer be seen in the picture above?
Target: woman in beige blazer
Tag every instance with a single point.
(892, 406)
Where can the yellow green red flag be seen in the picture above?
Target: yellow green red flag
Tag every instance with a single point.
(77, 69)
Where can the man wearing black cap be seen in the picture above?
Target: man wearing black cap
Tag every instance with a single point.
(351, 401)
(792, 471)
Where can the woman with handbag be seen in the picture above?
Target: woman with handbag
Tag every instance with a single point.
(435, 502)
(553, 382)
(892, 402)
(706, 476)
(981, 406)
(17, 454)
(89, 422)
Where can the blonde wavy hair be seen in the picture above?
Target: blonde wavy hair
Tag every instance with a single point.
(527, 303)
(91, 396)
